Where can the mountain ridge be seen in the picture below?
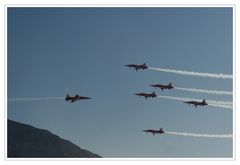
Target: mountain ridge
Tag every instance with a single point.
(26, 141)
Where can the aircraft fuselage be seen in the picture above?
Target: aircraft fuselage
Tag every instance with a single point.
(160, 131)
(197, 103)
(161, 86)
(75, 98)
(135, 66)
(146, 95)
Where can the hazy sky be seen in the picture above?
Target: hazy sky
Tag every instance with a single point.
(55, 51)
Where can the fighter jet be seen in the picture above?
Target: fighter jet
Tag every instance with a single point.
(160, 131)
(146, 95)
(169, 86)
(196, 103)
(75, 98)
(141, 66)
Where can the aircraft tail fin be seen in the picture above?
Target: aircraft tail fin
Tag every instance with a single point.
(67, 97)
(145, 65)
(161, 130)
(204, 101)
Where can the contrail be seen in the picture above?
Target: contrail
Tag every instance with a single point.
(213, 103)
(182, 72)
(205, 91)
(35, 99)
(200, 135)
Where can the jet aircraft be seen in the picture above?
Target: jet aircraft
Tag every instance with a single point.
(146, 95)
(196, 103)
(169, 86)
(136, 66)
(160, 131)
(75, 98)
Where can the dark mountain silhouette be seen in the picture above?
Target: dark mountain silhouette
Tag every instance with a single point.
(29, 142)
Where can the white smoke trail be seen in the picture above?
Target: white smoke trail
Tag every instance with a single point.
(175, 98)
(221, 106)
(182, 72)
(205, 91)
(220, 102)
(200, 135)
(35, 99)
(210, 102)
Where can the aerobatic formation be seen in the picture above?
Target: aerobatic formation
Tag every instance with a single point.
(169, 86)
(196, 103)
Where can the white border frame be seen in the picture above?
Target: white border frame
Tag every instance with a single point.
(124, 5)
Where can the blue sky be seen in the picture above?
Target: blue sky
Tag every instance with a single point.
(55, 51)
